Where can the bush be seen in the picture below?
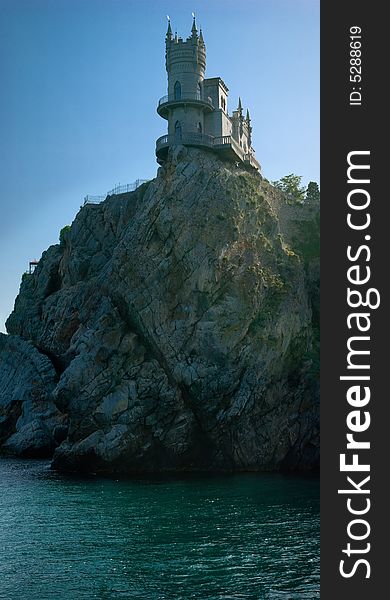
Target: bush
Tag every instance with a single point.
(63, 233)
(291, 186)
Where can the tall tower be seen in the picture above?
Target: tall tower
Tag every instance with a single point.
(185, 105)
(196, 108)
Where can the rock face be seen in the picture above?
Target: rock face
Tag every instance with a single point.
(30, 423)
(175, 328)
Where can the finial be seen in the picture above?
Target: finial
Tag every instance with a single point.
(201, 36)
(194, 30)
(247, 115)
(239, 105)
(169, 31)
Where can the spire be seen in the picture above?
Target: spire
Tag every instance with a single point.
(201, 36)
(194, 30)
(248, 122)
(169, 35)
(239, 106)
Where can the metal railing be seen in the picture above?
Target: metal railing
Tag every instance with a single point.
(183, 97)
(118, 189)
(93, 199)
(190, 137)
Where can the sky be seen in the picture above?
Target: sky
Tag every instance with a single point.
(80, 82)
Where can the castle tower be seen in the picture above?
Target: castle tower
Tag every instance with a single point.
(185, 105)
(196, 108)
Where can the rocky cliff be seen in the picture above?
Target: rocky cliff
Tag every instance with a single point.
(174, 327)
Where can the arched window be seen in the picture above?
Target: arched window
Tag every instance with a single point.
(200, 127)
(177, 131)
(177, 91)
(199, 90)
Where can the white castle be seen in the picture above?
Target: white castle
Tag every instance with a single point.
(196, 108)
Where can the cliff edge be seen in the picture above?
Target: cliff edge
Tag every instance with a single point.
(174, 328)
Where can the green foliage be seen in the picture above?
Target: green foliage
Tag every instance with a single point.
(25, 276)
(291, 186)
(312, 193)
(307, 242)
(63, 234)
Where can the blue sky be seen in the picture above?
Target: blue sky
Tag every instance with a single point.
(80, 83)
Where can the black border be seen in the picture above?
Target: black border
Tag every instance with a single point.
(344, 129)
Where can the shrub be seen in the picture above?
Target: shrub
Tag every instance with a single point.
(63, 234)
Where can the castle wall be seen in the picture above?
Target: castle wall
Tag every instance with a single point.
(215, 88)
(188, 80)
(217, 123)
(189, 118)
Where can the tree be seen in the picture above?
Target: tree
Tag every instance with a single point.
(312, 193)
(291, 186)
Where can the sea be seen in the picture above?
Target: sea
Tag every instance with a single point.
(206, 537)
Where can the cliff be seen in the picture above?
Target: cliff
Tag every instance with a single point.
(175, 327)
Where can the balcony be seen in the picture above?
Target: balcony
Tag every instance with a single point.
(191, 138)
(167, 102)
(226, 145)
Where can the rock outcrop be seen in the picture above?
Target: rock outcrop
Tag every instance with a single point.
(30, 423)
(174, 327)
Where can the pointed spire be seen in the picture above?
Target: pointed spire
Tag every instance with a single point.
(194, 30)
(247, 116)
(239, 108)
(201, 36)
(169, 35)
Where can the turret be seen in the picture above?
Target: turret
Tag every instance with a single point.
(185, 62)
(184, 106)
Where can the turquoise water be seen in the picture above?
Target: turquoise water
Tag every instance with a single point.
(226, 537)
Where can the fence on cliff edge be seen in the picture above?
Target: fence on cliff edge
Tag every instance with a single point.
(118, 189)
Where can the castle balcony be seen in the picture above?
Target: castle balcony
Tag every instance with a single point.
(189, 138)
(225, 145)
(166, 103)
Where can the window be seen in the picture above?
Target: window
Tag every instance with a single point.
(199, 90)
(177, 131)
(200, 127)
(177, 91)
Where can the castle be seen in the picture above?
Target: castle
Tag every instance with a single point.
(196, 108)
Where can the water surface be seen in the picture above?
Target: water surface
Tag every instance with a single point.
(205, 537)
